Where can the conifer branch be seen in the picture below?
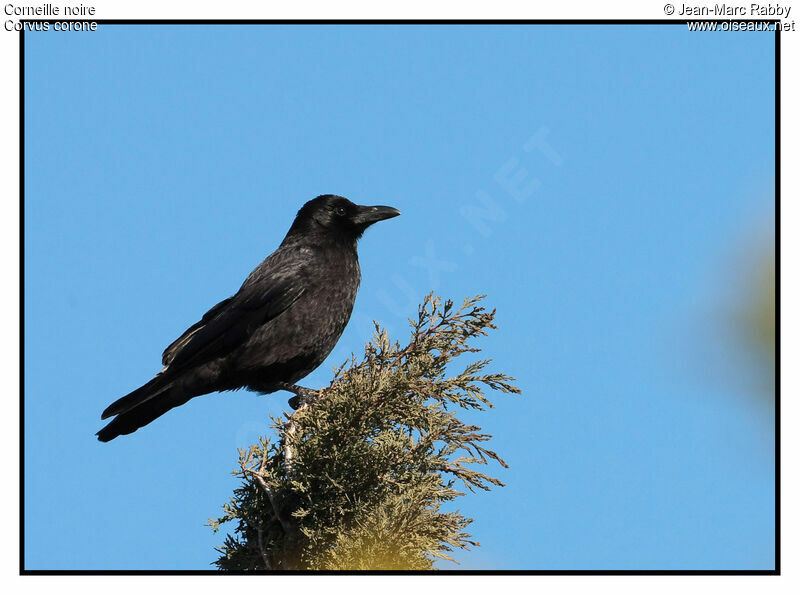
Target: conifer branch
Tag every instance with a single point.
(357, 479)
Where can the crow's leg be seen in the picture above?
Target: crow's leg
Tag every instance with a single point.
(302, 396)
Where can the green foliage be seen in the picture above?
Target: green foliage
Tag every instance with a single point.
(356, 480)
(758, 315)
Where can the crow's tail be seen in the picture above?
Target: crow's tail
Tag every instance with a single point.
(140, 407)
(135, 398)
(146, 408)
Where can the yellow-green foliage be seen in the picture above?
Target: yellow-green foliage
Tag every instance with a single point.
(759, 314)
(355, 481)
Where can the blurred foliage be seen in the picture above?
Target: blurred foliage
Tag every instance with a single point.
(356, 480)
(757, 317)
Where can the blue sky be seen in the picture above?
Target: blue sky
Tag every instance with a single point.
(619, 174)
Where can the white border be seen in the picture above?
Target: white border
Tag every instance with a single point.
(344, 9)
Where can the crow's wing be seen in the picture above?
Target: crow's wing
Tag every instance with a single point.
(229, 324)
(180, 342)
(222, 329)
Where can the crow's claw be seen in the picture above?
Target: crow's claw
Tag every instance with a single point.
(302, 396)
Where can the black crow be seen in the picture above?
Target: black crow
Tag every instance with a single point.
(282, 323)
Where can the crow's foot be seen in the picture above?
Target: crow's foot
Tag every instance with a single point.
(302, 396)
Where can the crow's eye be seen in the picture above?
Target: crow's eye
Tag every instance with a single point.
(341, 211)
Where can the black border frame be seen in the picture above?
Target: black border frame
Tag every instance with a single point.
(26, 572)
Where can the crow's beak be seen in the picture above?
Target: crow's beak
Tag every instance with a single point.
(369, 215)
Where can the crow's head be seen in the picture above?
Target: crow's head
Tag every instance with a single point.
(335, 216)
